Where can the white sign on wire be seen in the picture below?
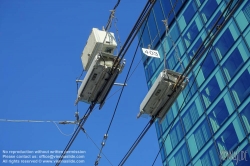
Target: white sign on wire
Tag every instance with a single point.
(152, 53)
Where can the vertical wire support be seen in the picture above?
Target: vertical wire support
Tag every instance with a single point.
(118, 36)
(112, 15)
(165, 22)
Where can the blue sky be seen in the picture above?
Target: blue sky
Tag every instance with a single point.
(40, 46)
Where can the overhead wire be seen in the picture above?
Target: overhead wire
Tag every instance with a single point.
(128, 42)
(200, 52)
(153, 118)
(208, 50)
(88, 136)
(92, 105)
(63, 132)
(81, 123)
(110, 16)
(38, 121)
(118, 101)
(149, 124)
(32, 121)
(179, 111)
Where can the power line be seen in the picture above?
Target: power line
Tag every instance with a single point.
(81, 123)
(153, 118)
(190, 66)
(31, 121)
(208, 50)
(95, 144)
(118, 101)
(179, 111)
(110, 16)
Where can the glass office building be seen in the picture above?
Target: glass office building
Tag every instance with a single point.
(214, 121)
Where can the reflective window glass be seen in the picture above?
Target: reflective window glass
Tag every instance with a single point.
(245, 114)
(230, 137)
(174, 32)
(192, 31)
(220, 112)
(206, 68)
(153, 30)
(176, 134)
(237, 157)
(241, 88)
(243, 17)
(158, 129)
(199, 2)
(247, 37)
(208, 9)
(235, 61)
(210, 157)
(186, 16)
(176, 5)
(197, 44)
(192, 114)
(145, 36)
(172, 60)
(163, 154)
(169, 118)
(166, 9)
(212, 89)
(226, 41)
(159, 17)
(181, 157)
(213, 19)
(199, 137)
(187, 92)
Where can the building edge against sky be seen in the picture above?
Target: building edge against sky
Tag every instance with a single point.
(215, 118)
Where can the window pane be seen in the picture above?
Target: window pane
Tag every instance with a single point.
(187, 16)
(243, 17)
(210, 157)
(199, 2)
(221, 112)
(166, 9)
(192, 31)
(241, 88)
(181, 157)
(235, 61)
(174, 32)
(198, 139)
(192, 51)
(230, 137)
(206, 68)
(187, 90)
(208, 9)
(227, 40)
(145, 36)
(212, 89)
(245, 114)
(159, 17)
(153, 30)
(213, 19)
(192, 114)
(176, 134)
(247, 37)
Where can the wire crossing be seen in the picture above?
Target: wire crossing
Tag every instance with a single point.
(81, 123)
(105, 137)
(192, 65)
(114, 67)
(228, 15)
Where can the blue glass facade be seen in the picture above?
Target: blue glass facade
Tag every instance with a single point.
(215, 118)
